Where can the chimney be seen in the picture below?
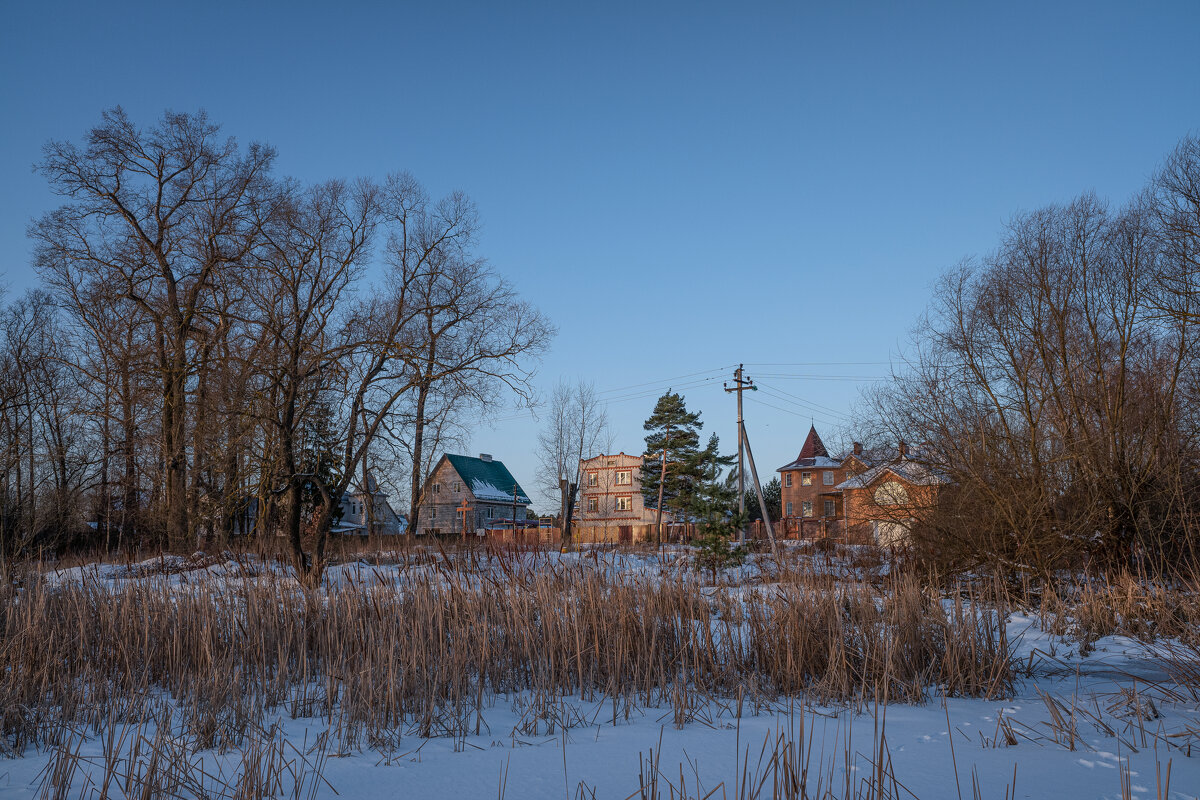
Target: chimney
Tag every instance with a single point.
(903, 449)
(485, 457)
(858, 448)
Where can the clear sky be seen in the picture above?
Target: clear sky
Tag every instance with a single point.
(679, 186)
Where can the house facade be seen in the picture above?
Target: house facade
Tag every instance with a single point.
(611, 506)
(883, 503)
(465, 494)
(367, 512)
(610, 490)
(809, 485)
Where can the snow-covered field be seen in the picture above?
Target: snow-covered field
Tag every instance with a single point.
(1108, 722)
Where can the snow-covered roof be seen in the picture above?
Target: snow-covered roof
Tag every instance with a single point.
(905, 469)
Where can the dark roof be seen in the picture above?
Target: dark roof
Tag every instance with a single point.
(487, 480)
(812, 454)
(813, 446)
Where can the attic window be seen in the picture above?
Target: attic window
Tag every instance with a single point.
(891, 494)
(457, 486)
(437, 488)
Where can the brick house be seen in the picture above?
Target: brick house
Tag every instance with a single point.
(809, 486)
(882, 503)
(480, 489)
(610, 498)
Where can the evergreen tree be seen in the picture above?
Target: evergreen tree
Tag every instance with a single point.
(713, 499)
(319, 444)
(671, 427)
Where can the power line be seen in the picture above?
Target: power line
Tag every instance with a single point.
(802, 401)
(793, 376)
(821, 364)
(797, 413)
(664, 380)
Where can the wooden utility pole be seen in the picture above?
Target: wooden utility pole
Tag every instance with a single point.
(762, 503)
(514, 516)
(741, 385)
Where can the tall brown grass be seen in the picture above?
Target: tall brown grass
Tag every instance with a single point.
(381, 661)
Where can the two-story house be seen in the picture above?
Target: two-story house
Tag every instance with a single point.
(883, 503)
(367, 512)
(471, 495)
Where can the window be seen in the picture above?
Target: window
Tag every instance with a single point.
(593, 505)
(830, 508)
(789, 505)
(437, 488)
(787, 479)
(624, 477)
(433, 513)
(457, 486)
(827, 478)
(806, 508)
(491, 512)
(593, 479)
(612, 462)
(806, 479)
(624, 504)
(891, 494)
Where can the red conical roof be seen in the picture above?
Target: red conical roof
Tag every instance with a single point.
(813, 446)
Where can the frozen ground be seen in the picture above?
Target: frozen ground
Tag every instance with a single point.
(1104, 724)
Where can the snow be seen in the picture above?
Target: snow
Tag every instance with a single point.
(1130, 725)
(483, 490)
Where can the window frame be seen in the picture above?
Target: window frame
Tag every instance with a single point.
(806, 479)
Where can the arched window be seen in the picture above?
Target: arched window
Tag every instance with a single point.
(891, 494)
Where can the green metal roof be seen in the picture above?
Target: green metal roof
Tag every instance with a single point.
(487, 480)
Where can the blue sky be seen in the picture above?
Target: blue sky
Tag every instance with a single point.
(679, 186)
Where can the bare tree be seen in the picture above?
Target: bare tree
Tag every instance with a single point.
(469, 335)
(576, 427)
(1050, 391)
(157, 212)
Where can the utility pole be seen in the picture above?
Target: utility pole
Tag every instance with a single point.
(514, 516)
(740, 385)
(762, 501)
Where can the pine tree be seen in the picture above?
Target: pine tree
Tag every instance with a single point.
(671, 427)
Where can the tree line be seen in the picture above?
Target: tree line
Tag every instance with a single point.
(205, 355)
(1053, 385)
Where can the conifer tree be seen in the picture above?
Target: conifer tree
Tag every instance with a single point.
(672, 429)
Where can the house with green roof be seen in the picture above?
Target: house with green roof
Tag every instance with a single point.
(480, 490)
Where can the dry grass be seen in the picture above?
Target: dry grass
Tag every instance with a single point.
(380, 663)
